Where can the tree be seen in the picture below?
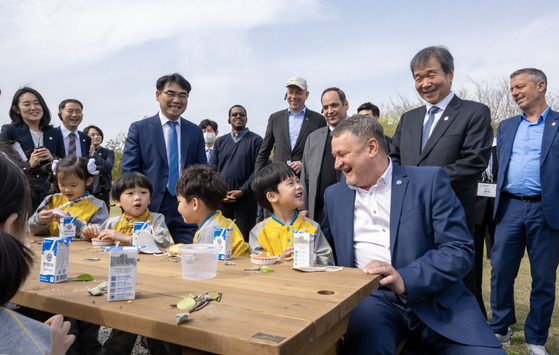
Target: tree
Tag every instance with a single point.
(117, 146)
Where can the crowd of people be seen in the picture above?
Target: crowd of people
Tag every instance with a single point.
(403, 207)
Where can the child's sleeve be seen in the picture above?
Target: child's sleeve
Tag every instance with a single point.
(98, 218)
(35, 227)
(254, 244)
(160, 231)
(240, 247)
(322, 250)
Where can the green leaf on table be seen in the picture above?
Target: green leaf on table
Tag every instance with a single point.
(83, 277)
(266, 269)
(186, 303)
(214, 296)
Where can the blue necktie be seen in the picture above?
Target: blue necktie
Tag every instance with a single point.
(173, 158)
(427, 126)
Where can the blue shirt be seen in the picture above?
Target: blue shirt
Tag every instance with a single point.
(295, 123)
(523, 175)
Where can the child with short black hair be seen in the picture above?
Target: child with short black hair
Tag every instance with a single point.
(132, 193)
(200, 191)
(73, 175)
(277, 188)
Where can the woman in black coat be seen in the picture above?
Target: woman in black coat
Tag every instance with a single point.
(34, 138)
(105, 159)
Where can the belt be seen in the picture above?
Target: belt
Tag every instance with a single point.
(523, 198)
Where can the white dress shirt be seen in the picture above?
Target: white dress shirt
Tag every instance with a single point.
(442, 106)
(66, 135)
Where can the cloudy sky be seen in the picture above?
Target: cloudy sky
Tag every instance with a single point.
(108, 54)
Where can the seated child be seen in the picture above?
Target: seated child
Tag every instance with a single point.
(132, 193)
(73, 176)
(20, 334)
(276, 187)
(200, 191)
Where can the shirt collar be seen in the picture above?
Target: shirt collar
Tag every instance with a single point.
(382, 182)
(302, 112)
(292, 221)
(441, 104)
(65, 131)
(240, 134)
(164, 119)
(205, 219)
(543, 116)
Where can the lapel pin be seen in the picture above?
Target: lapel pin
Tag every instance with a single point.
(553, 124)
(50, 138)
(446, 118)
(398, 182)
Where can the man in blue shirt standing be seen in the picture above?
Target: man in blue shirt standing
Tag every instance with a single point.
(525, 208)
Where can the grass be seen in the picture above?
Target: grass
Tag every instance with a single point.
(522, 302)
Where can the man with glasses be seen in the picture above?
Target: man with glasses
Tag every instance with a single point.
(161, 147)
(234, 155)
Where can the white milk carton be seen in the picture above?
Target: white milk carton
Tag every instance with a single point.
(303, 249)
(55, 258)
(138, 228)
(223, 238)
(67, 227)
(122, 273)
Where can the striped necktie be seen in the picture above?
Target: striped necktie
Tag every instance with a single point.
(72, 145)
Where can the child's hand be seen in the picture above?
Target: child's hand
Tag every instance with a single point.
(59, 328)
(110, 234)
(90, 231)
(287, 254)
(46, 217)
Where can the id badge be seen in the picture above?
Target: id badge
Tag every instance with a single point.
(487, 189)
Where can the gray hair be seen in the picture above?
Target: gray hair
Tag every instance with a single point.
(536, 75)
(441, 53)
(363, 127)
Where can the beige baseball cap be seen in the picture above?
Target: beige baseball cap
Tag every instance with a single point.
(297, 81)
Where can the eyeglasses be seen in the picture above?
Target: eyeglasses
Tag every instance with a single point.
(240, 114)
(172, 94)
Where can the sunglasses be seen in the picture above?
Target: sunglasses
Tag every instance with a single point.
(240, 114)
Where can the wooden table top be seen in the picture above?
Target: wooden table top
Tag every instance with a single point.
(282, 312)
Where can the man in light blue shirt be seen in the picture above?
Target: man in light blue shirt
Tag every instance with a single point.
(526, 210)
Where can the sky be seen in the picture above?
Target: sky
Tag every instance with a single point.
(109, 54)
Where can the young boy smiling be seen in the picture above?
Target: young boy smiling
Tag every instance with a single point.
(277, 188)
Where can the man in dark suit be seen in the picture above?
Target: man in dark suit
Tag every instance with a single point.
(406, 224)
(161, 146)
(76, 143)
(448, 132)
(526, 209)
(288, 129)
(318, 164)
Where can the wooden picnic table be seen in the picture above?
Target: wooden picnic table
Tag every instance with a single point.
(282, 312)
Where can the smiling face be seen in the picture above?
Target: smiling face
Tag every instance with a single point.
(72, 186)
(172, 100)
(526, 92)
(354, 159)
(134, 201)
(30, 109)
(96, 138)
(431, 82)
(289, 195)
(296, 98)
(238, 119)
(335, 111)
(71, 116)
(188, 210)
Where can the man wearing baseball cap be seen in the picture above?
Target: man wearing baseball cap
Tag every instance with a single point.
(288, 129)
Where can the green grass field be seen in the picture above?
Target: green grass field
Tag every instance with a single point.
(522, 300)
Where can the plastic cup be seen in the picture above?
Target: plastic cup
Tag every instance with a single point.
(199, 261)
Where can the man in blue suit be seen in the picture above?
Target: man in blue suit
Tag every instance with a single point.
(161, 147)
(406, 224)
(526, 209)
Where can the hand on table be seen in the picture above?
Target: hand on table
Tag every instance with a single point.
(391, 279)
(287, 254)
(110, 234)
(90, 231)
(59, 328)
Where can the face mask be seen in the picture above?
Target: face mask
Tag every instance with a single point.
(209, 137)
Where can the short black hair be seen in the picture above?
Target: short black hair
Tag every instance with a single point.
(173, 78)
(14, 190)
(73, 166)
(86, 131)
(267, 179)
(44, 123)
(15, 264)
(204, 183)
(130, 181)
(339, 91)
(206, 122)
(441, 53)
(67, 101)
(369, 106)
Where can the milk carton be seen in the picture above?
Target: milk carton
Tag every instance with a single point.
(67, 227)
(223, 237)
(303, 249)
(139, 227)
(54, 260)
(122, 273)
